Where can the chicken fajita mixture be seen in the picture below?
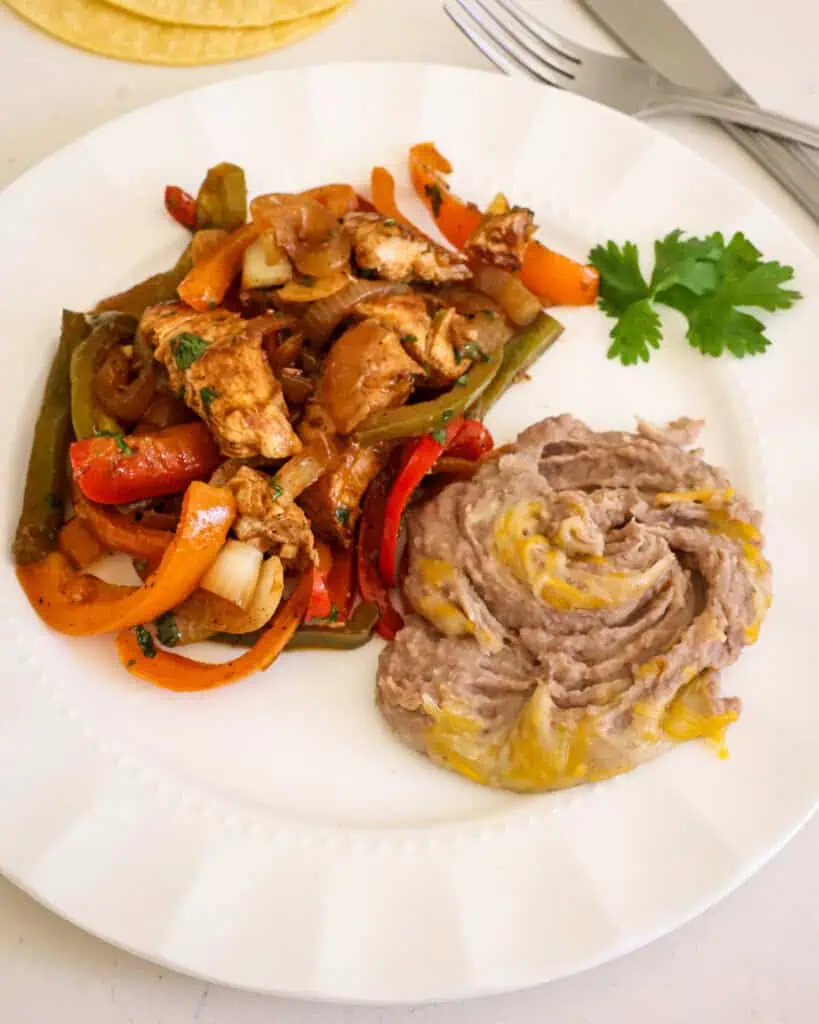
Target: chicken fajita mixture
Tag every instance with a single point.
(284, 435)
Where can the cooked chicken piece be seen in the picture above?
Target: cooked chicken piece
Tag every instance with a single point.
(389, 250)
(217, 362)
(502, 237)
(407, 315)
(482, 325)
(365, 371)
(333, 504)
(269, 519)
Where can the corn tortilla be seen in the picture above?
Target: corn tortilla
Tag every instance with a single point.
(225, 13)
(103, 29)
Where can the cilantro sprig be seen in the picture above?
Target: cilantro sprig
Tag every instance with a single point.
(711, 281)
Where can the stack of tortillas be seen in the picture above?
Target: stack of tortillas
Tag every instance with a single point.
(179, 31)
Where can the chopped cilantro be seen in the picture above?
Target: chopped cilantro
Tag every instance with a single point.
(121, 443)
(446, 416)
(167, 630)
(439, 435)
(488, 313)
(276, 490)
(331, 618)
(436, 199)
(130, 663)
(472, 351)
(390, 222)
(187, 348)
(306, 280)
(408, 339)
(342, 515)
(368, 272)
(462, 380)
(145, 641)
(208, 395)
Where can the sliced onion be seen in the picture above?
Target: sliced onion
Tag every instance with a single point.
(510, 293)
(258, 271)
(311, 463)
(267, 595)
(323, 317)
(307, 232)
(235, 573)
(313, 289)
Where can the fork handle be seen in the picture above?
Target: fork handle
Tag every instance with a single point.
(734, 111)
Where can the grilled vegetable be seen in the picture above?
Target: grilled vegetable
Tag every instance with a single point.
(425, 417)
(355, 633)
(518, 356)
(116, 470)
(77, 606)
(45, 493)
(181, 206)
(370, 584)
(173, 672)
(158, 288)
(87, 416)
(222, 199)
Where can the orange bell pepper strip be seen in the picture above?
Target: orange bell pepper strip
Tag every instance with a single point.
(174, 672)
(206, 284)
(119, 533)
(553, 277)
(54, 590)
(382, 188)
(80, 544)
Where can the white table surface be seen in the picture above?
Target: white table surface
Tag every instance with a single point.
(751, 958)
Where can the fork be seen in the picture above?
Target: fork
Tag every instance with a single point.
(515, 40)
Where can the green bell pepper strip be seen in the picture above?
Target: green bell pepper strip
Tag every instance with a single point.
(87, 418)
(518, 355)
(357, 632)
(222, 199)
(427, 417)
(43, 509)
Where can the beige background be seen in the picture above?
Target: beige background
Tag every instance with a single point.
(750, 959)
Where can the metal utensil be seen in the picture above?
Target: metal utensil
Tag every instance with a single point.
(650, 30)
(507, 33)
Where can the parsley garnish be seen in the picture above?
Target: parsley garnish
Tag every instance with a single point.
(488, 313)
(408, 339)
(368, 273)
(342, 515)
(276, 490)
(446, 416)
(187, 348)
(145, 641)
(462, 380)
(307, 280)
(208, 395)
(130, 663)
(708, 280)
(439, 435)
(121, 443)
(435, 197)
(167, 630)
(390, 222)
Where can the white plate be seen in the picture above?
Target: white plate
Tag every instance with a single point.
(273, 835)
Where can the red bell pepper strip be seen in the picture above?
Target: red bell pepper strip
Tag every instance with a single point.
(472, 441)
(82, 606)
(117, 470)
(173, 672)
(370, 583)
(320, 604)
(181, 206)
(553, 277)
(421, 456)
(341, 585)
